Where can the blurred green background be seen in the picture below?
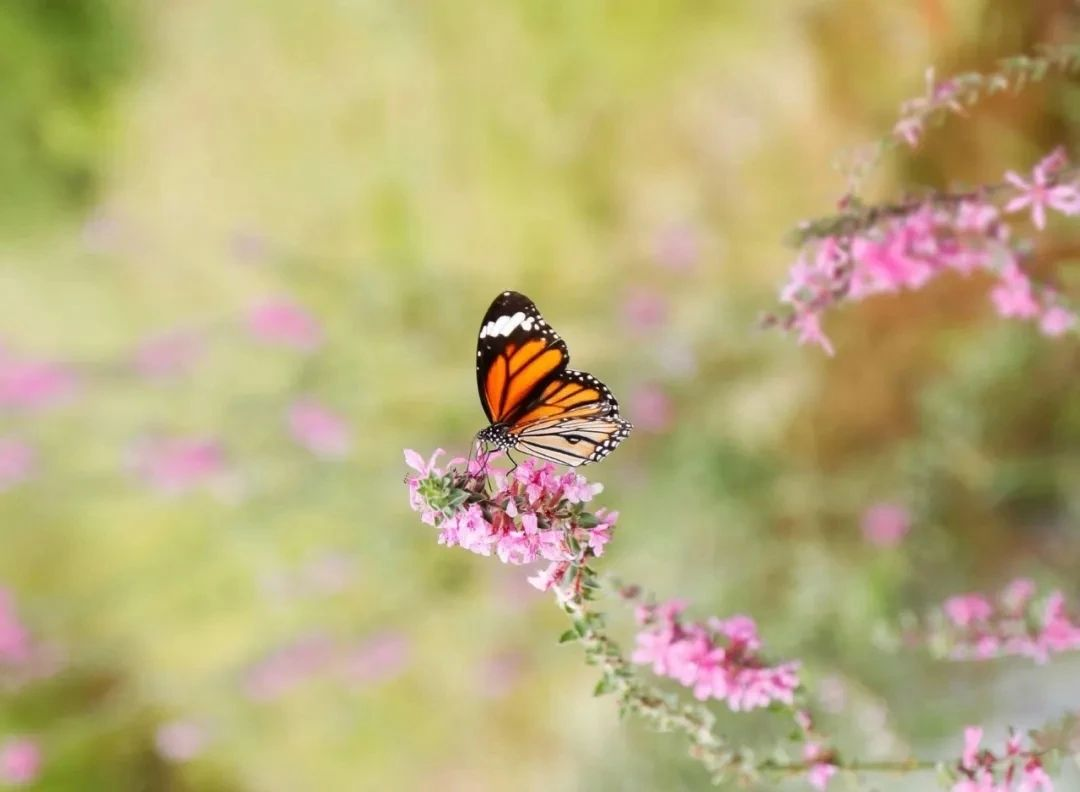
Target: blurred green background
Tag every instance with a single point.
(287, 623)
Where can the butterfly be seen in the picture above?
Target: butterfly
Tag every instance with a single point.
(533, 402)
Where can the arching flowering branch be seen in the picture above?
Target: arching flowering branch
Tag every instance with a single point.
(533, 515)
(863, 252)
(1015, 622)
(952, 96)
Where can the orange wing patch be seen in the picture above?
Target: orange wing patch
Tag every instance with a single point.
(524, 379)
(495, 384)
(561, 398)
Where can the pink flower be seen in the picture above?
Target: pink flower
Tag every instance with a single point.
(1056, 321)
(20, 761)
(377, 659)
(286, 668)
(281, 322)
(966, 609)
(972, 737)
(14, 637)
(175, 465)
(167, 355)
(17, 462)
(810, 332)
(180, 740)
(645, 310)
(34, 384)
(821, 769)
(886, 524)
(1013, 295)
(676, 247)
(1016, 596)
(318, 429)
(651, 409)
(1040, 193)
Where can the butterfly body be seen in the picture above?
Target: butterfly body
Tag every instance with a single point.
(534, 403)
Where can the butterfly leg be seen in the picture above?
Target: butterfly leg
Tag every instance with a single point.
(511, 470)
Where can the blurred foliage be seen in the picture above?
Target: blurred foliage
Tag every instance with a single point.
(62, 63)
(394, 165)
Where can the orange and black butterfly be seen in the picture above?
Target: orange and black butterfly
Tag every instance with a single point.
(534, 403)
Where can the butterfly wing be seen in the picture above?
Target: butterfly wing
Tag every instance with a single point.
(574, 420)
(517, 356)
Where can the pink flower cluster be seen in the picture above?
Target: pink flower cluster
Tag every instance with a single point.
(532, 514)
(1016, 770)
(718, 659)
(908, 248)
(175, 465)
(1016, 624)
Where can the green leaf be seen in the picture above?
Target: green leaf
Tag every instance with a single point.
(568, 636)
(604, 686)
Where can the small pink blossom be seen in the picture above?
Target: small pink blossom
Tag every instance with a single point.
(967, 609)
(972, 737)
(319, 429)
(180, 740)
(287, 667)
(17, 462)
(676, 247)
(20, 761)
(27, 384)
(1013, 296)
(377, 659)
(651, 409)
(810, 332)
(176, 465)
(886, 524)
(1041, 194)
(1056, 321)
(168, 355)
(282, 322)
(822, 769)
(645, 310)
(15, 646)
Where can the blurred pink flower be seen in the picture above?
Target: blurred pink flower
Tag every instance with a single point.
(248, 247)
(1041, 193)
(175, 465)
(282, 322)
(318, 429)
(651, 409)
(180, 740)
(885, 524)
(1056, 321)
(500, 673)
(966, 609)
(15, 646)
(169, 354)
(20, 761)
(1013, 296)
(676, 247)
(286, 667)
(17, 462)
(822, 768)
(644, 310)
(377, 659)
(34, 384)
